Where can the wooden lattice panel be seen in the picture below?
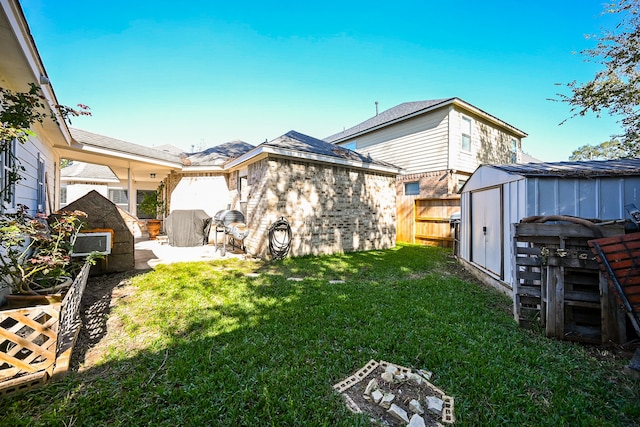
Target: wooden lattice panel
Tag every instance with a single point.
(28, 338)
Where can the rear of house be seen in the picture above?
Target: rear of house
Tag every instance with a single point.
(437, 144)
(335, 200)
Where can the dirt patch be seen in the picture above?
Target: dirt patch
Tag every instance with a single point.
(101, 294)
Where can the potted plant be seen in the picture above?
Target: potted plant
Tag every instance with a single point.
(36, 252)
(153, 205)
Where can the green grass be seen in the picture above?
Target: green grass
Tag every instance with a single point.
(203, 344)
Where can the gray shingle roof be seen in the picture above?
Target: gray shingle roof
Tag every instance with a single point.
(87, 171)
(218, 155)
(215, 156)
(394, 113)
(591, 168)
(113, 144)
(296, 141)
(168, 148)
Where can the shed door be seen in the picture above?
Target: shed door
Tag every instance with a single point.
(486, 226)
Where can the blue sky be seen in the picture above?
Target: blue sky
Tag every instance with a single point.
(201, 73)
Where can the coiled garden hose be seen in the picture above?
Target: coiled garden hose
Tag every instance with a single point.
(279, 238)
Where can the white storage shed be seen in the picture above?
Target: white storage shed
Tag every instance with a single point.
(496, 196)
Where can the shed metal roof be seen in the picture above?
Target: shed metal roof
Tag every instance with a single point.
(592, 168)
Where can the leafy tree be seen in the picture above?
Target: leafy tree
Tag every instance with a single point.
(613, 149)
(616, 88)
(19, 111)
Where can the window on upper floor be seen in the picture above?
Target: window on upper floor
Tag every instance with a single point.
(514, 150)
(412, 188)
(466, 134)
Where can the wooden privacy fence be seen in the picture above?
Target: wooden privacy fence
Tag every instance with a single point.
(36, 342)
(558, 283)
(432, 221)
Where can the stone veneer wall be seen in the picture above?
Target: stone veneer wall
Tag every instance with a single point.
(330, 208)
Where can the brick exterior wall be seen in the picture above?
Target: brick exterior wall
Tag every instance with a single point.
(330, 208)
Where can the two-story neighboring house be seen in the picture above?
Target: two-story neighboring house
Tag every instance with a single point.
(20, 66)
(438, 144)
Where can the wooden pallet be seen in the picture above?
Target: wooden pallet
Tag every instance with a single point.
(558, 284)
(619, 259)
(28, 338)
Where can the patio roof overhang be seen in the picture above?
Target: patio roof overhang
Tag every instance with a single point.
(124, 165)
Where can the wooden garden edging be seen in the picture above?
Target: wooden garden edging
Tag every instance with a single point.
(36, 342)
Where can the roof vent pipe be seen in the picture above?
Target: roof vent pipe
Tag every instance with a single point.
(376, 108)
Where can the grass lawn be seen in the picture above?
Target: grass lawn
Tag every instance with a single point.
(199, 344)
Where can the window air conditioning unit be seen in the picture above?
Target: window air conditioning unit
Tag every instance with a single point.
(87, 243)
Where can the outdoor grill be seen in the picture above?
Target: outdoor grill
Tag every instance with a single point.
(231, 224)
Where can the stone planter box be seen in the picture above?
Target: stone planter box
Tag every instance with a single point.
(36, 342)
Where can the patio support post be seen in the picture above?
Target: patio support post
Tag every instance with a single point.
(129, 190)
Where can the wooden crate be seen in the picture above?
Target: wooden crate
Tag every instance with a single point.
(558, 283)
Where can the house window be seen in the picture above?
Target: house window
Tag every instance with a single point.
(412, 188)
(63, 195)
(120, 197)
(466, 134)
(7, 169)
(41, 184)
(514, 151)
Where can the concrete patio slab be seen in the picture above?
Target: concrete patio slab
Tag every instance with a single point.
(149, 253)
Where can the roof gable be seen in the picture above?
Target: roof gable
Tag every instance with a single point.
(296, 141)
(220, 154)
(408, 110)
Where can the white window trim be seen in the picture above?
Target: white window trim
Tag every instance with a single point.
(464, 120)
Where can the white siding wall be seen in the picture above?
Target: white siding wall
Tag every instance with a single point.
(27, 188)
(416, 145)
